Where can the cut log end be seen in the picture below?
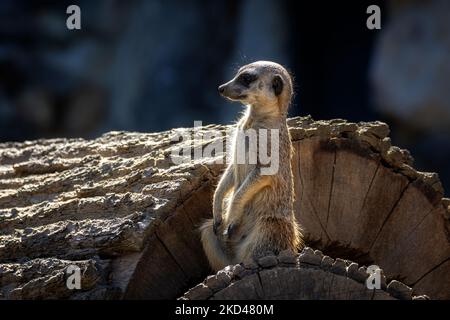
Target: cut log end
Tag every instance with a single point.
(120, 208)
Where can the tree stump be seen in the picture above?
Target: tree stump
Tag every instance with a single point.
(121, 210)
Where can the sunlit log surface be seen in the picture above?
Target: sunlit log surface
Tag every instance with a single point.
(120, 209)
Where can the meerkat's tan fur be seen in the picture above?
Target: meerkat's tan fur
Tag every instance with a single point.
(253, 213)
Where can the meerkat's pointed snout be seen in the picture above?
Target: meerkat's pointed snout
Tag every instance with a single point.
(231, 91)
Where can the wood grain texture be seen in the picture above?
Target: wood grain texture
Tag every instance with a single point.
(118, 207)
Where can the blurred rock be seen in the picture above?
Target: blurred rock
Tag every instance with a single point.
(35, 106)
(411, 66)
(411, 75)
(86, 110)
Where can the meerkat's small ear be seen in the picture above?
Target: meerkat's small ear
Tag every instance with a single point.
(277, 85)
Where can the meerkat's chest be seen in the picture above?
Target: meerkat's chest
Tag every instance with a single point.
(245, 152)
(245, 146)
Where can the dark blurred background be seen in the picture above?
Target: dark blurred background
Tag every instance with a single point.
(149, 65)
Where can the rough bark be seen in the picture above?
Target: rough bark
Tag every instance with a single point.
(308, 276)
(119, 208)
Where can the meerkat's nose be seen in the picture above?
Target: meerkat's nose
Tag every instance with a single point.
(221, 89)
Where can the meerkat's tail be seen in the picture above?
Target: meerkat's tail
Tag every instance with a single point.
(212, 246)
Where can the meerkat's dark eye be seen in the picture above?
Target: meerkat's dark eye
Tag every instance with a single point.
(277, 85)
(246, 78)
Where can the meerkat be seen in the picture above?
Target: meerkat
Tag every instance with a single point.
(253, 213)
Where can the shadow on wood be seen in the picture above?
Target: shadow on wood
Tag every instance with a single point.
(119, 208)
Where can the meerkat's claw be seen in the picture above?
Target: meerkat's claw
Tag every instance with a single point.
(216, 226)
(230, 230)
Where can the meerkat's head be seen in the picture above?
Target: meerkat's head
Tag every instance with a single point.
(263, 84)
